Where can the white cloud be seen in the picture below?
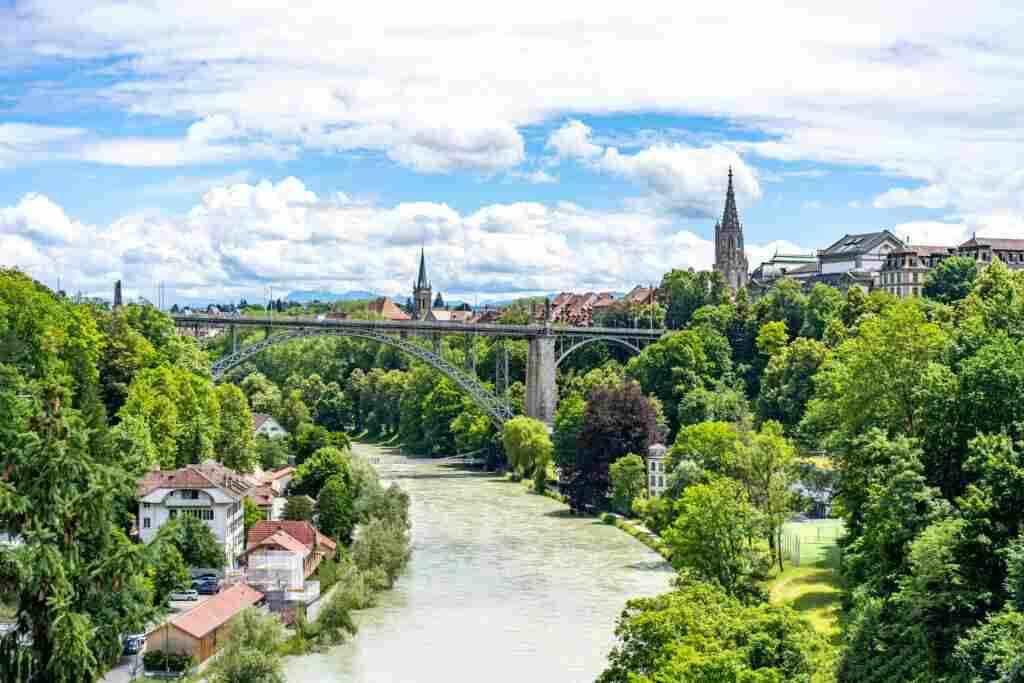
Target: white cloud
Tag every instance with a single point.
(933, 233)
(572, 141)
(537, 177)
(242, 237)
(928, 197)
(22, 143)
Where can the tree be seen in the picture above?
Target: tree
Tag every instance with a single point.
(312, 474)
(787, 385)
(76, 578)
(951, 280)
(629, 481)
(250, 654)
(252, 515)
(382, 544)
(772, 338)
(713, 446)
(715, 536)
(270, 453)
(298, 508)
(293, 412)
(682, 292)
(618, 420)
(527, 445)
(700, 633)
(130, 441)
(235, 436)
(824, 304)
(309, 439)
(568, 424)
(767, 468)
(336, 506)
(194, 540)
(167, 571)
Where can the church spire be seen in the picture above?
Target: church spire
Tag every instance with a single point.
(730, 217)
(421, 281)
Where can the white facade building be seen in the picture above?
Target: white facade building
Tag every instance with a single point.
(865, 252)
(210, 492)
(267, 426)
(657, 472)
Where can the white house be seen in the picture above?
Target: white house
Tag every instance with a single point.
(657, 474)
(210, 492)
(266, 425)
(864, 252)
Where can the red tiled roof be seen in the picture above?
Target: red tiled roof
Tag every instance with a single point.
(300, 530)
(281, 539)
(325, 542)
(258, 419)
(262, 495)
(994, 243)
(386, 308)
(208, 475)
(218, 610)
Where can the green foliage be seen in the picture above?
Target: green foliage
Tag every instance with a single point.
(312, 474)
(772, 337)
(67, 575)
(167, 662)
(167, 571)
(250, 653)
(270, 453)
(628, 477)
(683, 292)
(194, 540)
(235, 436)
(298, 508)
(309, 439)
(951, 280)
(336, 505)
(700, 633)
(787, 385)
(569, 416)
(527, 445)
(293, 412)
(618, 420)
(252, 514)
(383, 544)
(715, 536)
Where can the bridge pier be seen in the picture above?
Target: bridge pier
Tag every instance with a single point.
(541, 389)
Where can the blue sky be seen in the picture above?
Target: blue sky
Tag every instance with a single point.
(225, 150)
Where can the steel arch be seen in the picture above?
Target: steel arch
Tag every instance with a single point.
(590, 340)
(496, 408)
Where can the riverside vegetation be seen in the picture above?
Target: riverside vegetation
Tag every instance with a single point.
(914, 406)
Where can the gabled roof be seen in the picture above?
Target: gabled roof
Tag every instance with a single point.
(923, 250)
(387, 308)
(993, 243)
(861, 243)
(440, 315)
(281, 539)
(262, 495)
(217, 611)
(259, 419)
(302, 531)
(208, 475)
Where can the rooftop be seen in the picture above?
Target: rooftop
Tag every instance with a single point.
(208, 475)
(217, 611)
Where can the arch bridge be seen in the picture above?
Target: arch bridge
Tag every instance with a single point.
(549, 345)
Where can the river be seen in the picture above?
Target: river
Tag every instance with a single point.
(503, 586)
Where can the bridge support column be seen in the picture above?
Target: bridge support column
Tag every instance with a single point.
(541, 390)
(437, 344)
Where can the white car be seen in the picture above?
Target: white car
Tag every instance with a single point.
(185, 595)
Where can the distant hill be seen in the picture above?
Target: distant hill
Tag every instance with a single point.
(306, 297)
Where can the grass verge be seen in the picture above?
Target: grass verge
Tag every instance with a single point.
(646, 537)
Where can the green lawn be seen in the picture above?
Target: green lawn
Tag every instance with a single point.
(813, 588)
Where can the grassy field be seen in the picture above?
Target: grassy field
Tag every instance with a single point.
(813, 587)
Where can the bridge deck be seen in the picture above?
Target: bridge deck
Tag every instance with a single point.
(486, 329)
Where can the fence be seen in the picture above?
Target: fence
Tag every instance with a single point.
(814, 542)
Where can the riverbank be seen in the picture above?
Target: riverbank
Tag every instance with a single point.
(500, 585)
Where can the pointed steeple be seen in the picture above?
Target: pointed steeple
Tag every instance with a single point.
(421, 280)
(730, 217)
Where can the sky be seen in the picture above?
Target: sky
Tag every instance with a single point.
(226, 148)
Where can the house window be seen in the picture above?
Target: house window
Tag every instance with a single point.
(915, 278)
(190, 494)
(174, 513)
(145, 522)
(145, 506)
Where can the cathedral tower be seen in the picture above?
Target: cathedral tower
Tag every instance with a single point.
(730, 259)
(421, 291)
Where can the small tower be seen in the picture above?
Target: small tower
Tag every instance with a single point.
(421, 291)
(439, 301)
(117, 295)
(730, 258)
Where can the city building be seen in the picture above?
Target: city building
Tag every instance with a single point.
(267, 426)
(280, 558)
(200, 632)
(730, 259)
(268, 491)
(210, 492)
(796, 266)
(657, 474)
(421, 291)
(387, 309)
(905, 269)
(985, 249)
(861, 254)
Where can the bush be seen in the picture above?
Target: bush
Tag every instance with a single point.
(382, 544)
(154, 660)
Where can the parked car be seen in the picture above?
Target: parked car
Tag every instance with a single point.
(207, 587)
(205, 577)
(185, 594)
(133, 644)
